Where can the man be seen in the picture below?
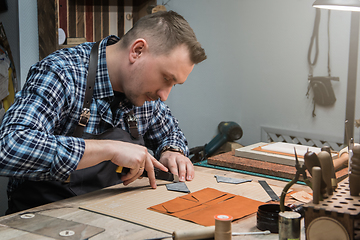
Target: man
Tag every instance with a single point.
(40, 149)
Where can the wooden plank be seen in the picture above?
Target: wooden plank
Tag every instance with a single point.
(75, 41)
(89, 22)
(121, 18)
(47, 27)
(80, 19)
(105, 18)
(63, 16)
(72, 18)
(97, 21)
(113, 16)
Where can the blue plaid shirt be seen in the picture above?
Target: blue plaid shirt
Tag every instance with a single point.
(35, 135)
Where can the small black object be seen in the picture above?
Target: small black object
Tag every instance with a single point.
(267, 217)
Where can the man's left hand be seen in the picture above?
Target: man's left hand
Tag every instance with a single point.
(178, 164)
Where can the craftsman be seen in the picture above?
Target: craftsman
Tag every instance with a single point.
(134, 77)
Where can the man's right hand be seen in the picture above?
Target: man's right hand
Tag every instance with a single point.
(132, 156)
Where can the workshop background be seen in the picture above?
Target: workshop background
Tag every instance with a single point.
(256, 73)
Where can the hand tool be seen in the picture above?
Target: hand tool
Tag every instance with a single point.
(203, 233)
(269, 190)
(161, 175)
(316, 183)
(300, 170)
(311, 160)
(333, 175)
(325, 163)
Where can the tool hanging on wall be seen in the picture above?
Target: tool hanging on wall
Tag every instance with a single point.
(323, 93)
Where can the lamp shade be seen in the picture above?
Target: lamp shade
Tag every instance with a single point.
(346, 5)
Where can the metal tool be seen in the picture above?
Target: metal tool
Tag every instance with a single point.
(269, 190)
(188, 237)
(300, 170)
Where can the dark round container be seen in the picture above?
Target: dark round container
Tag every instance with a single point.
(268, 217)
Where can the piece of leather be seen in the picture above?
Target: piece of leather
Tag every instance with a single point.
(177, 187)
(200, 207)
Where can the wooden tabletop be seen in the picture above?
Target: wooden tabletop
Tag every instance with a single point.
(68, 209)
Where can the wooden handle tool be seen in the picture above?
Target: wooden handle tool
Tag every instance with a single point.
(325, 163)
(311, 160)
(197, 233)
(316, 184)
(333, 175)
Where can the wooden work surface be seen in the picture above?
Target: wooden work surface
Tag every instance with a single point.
(69, 209)
(229, 160)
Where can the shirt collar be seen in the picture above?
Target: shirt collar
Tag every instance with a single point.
(103, 88)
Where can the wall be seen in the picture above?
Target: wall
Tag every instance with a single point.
(256, 71)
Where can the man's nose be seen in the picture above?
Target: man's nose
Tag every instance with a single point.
(164, 93)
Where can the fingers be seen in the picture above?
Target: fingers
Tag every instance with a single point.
(134, 174)
(158, 164)
(190, 171)
(148, 164)
(178, 164)
(186, 171)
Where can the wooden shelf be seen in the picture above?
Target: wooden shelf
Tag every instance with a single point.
(94, 27)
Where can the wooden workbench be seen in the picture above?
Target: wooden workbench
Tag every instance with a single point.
(118, 229)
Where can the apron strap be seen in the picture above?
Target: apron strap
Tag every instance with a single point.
(85, 114)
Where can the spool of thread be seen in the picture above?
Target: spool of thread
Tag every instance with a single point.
(289, 225)
(223, 227)
(194, 234)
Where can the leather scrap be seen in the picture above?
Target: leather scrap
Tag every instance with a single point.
(200, 207)
(231, 180)
(178, 187)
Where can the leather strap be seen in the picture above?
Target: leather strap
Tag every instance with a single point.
(132, 123)
(85, 114)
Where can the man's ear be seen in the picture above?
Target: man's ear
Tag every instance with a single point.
(137, 49)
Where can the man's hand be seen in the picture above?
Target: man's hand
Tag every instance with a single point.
(129, 155)
(178, 164)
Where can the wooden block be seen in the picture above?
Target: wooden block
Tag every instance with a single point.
(341, 207)
(75, 41)
(229, 160)
(251, 165)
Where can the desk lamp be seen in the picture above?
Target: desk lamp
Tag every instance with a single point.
(354, 7)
